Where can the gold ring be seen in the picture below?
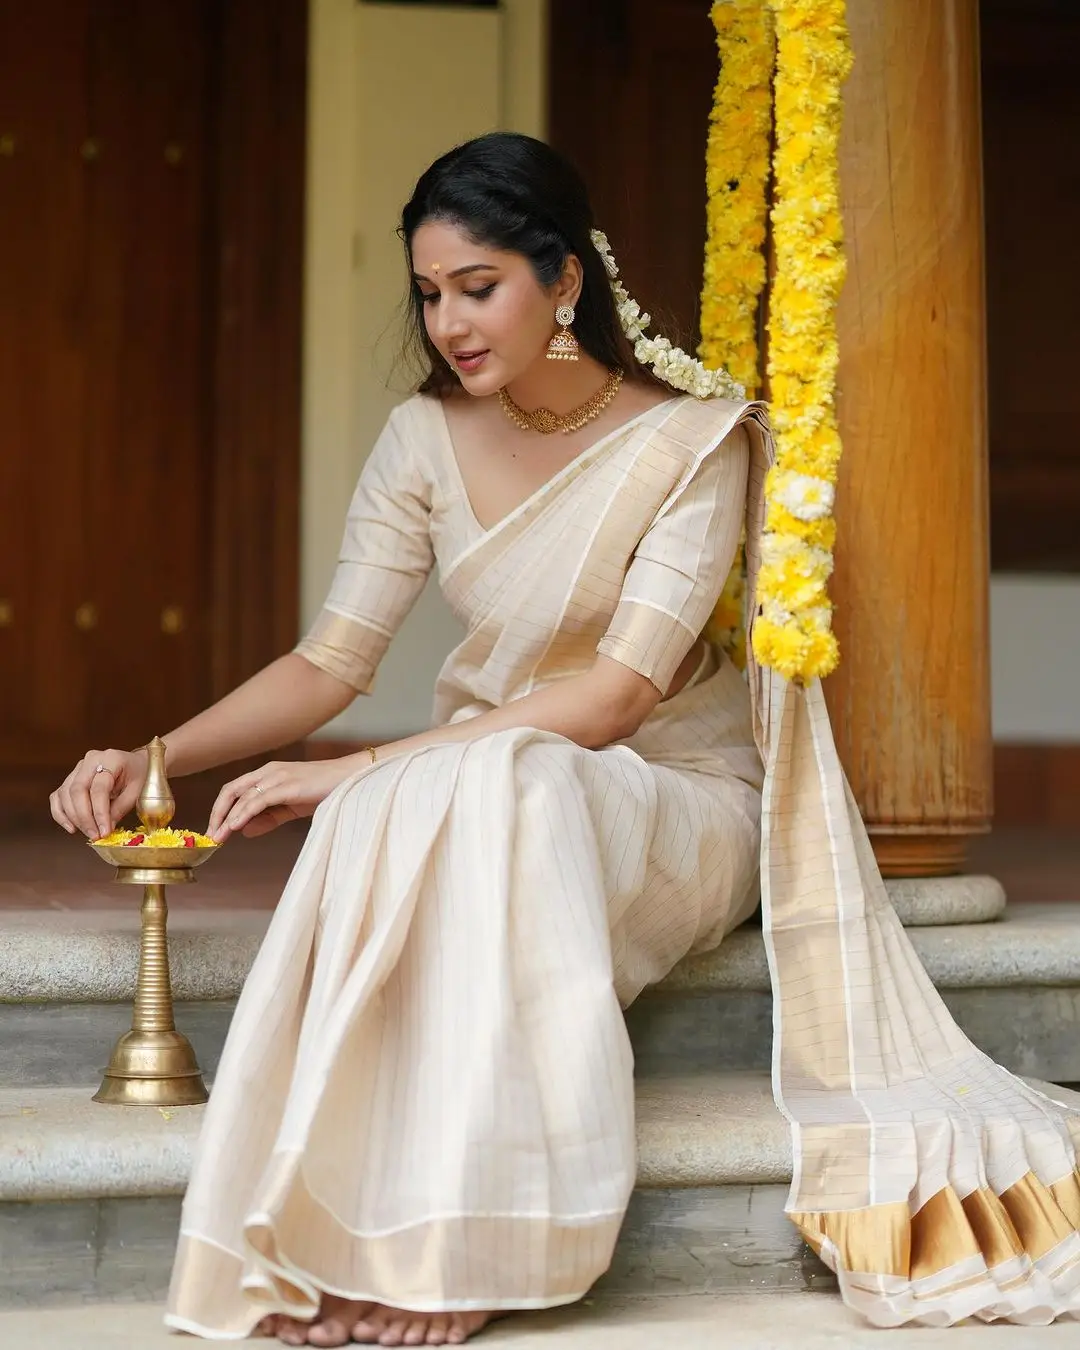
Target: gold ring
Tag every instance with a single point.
(103, 768)
(257, 788)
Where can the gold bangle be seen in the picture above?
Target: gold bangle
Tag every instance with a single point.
(371, 751)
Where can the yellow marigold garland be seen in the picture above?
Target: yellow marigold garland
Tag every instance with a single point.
(793, 634)
(737, 173)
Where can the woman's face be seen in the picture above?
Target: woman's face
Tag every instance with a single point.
(484, 309)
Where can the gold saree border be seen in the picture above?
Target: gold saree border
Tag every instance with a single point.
(1029, 1219)
(413, 1267)
(342, 647)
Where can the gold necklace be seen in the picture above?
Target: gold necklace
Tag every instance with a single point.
(546, 422)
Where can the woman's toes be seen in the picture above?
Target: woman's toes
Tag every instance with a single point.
(416, 1331)
(439, 1329)
(291, 1332)
(334, 1325)
(395, 1331)
(370, 1327)
(464, 1325)
(331, 1331)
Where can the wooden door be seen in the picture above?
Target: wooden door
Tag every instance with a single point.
(148, 325)
(630, 90)
(43, 373)
(1031, 125)
(151, 179)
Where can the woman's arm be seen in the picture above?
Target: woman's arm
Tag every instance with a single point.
(607, 703)
(286, 701)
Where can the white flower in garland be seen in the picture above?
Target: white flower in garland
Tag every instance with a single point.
(671, 364)
(804, 495)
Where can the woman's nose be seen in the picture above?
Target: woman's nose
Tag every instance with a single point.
(450, 321)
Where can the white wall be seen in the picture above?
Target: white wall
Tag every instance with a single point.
(390, 89)
(1035, 657)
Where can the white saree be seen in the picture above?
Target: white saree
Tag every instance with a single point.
(426, 1094)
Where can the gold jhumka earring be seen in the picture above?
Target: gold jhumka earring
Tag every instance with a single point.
(564, 346)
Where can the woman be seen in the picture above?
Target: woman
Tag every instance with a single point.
(424, 1114)
(426, 1099)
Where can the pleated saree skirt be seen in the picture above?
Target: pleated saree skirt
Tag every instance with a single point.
(426, 1097)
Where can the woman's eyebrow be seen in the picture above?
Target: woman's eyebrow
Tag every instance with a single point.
(460, 271)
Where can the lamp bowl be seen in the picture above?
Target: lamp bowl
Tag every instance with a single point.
(126, 857)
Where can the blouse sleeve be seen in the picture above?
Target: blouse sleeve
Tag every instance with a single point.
(679, 568)
(385, 559)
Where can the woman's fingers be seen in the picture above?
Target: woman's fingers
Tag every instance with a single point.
(223, 804)
(268, 819)
(75, 795)
(124, 802)
(248, 803)
(59, 814)
(101, 790)
(67, 805)
(228, 799)
(261, 801)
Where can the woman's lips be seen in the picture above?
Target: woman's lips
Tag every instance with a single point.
(467, 362)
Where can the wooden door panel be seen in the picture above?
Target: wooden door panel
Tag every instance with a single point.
(631, 85)
(42, 371)
(1031, 126)
(150, 273)
(150, 316)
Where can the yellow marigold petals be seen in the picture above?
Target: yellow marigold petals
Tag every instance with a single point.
(158, 838)
(736, 176)
(808, 40)
(793, 634)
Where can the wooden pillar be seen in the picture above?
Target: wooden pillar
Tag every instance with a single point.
(911, 700)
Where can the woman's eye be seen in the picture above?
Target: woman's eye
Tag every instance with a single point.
(483, 292)
(428, 297)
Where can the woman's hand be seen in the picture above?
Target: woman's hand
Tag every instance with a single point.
(261, 801)
(99, 792)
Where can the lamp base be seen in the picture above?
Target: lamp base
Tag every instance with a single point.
(152, 1068)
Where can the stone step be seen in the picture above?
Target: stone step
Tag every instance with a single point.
(66, 982)
(90, 1194)
(57, 1144)
(81, 956)
(1012, 985)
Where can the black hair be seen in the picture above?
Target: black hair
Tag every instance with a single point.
(515, 193)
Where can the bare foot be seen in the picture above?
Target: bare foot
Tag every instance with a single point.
(330, 1328)
(382, 1325)
(286, 1329)
(335, 1321)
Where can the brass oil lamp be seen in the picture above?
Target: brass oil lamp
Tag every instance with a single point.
(153, 1064)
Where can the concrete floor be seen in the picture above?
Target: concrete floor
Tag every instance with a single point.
(730, 1322)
